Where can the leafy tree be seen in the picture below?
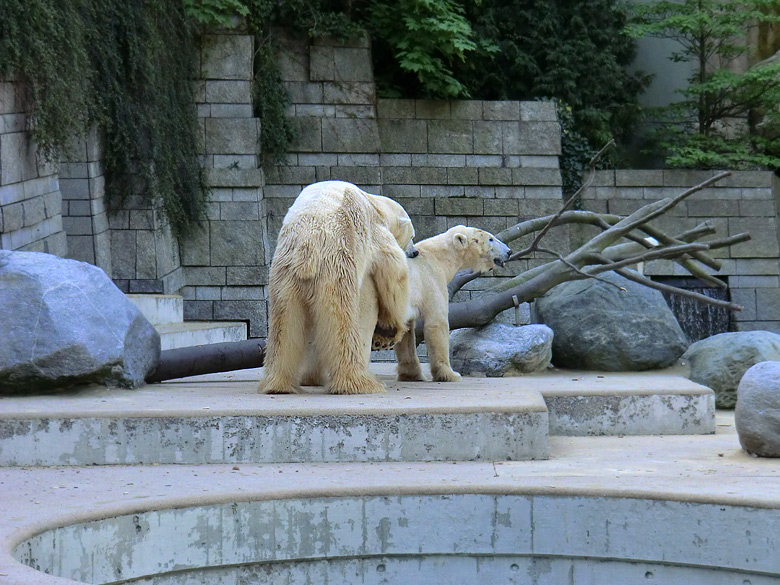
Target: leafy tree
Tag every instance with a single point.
(575, 52)
(419, 44)
(702, 129)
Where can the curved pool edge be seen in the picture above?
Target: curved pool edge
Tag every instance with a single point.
(580, 533)
(702, 469)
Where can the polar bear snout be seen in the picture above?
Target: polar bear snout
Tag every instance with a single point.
(501, 252)
(412, 253)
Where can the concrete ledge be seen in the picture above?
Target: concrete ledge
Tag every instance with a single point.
(604, 509)
(219, 420)
(628, 403)
(159, 309)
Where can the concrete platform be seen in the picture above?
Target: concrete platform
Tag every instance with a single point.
(638, 509)
(221, 418)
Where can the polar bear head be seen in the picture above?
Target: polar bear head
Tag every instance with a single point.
(397, 221)
(482, 251)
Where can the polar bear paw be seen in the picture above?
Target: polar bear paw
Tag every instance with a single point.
(384, 337)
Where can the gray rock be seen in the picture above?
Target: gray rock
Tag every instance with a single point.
(720, 361)
(757, 414)
(498, 349)
(600, 327)
(64, 322)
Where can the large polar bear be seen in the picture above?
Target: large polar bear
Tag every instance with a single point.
(335, 238)
(439, 259)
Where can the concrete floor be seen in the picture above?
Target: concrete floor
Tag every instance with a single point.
(690, 468)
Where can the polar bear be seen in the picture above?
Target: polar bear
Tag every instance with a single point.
(334, 239)
(439, 259)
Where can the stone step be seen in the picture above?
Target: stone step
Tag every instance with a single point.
(166, 313)
(160, 309)
(188, 333)
(222, 419)
(627, 403)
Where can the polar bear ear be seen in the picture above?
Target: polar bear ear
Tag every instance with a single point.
(460, 239)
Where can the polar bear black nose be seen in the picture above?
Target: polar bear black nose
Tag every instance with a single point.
(413, 253)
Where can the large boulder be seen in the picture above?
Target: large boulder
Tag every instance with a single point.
(623, 326)
(757, 415)
(64, 322)
(720, 361)
(498, 350)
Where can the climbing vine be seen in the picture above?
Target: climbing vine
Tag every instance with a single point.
(125, 68)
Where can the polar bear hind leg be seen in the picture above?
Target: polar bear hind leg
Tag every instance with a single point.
(287, 342)
(338, 339)
(391, 282)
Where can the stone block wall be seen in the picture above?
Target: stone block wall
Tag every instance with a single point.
(477, 163)
(744, 202)
(225, 262)
(84, 211)
(144, 252)
(30, 199)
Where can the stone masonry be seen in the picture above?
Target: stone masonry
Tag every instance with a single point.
(479, 163)
(85, 215)
(226, 260)
(483, 164)
(747, 201)
(30, 200)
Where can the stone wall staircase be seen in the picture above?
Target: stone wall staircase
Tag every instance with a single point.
(166, 313)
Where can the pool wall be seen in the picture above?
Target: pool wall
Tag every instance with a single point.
(453, 539)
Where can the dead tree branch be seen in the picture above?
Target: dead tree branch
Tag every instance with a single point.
(621, 242)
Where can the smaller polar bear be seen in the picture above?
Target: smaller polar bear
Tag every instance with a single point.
(334, 240)
(439, 259)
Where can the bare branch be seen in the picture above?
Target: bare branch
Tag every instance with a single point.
(654, 254)
(584, 187)
(670, 203)
(606, 251)
(630, 275)
(577, 270)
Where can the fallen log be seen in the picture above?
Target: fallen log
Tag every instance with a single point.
(208, 359)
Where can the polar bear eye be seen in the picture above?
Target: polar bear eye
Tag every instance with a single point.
(490, 240)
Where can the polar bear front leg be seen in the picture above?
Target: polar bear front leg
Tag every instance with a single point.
(409, 368)
(437, 340)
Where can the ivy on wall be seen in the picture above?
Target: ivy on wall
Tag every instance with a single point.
(125, 67)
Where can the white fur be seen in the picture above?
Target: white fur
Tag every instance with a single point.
(440, 258)
(334, 239)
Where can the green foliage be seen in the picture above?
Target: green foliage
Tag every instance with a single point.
(573, 51)
(271, 102)
(717, 152)
(125, 67)
(425, 39)
(576, 151)
(700, 130)
(40, 46)
(215, 13)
